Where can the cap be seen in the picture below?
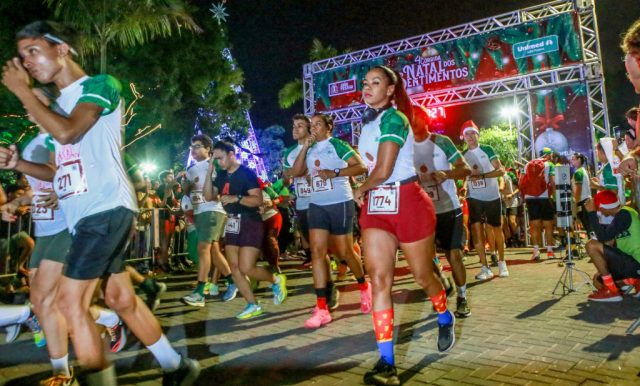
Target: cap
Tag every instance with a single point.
(606, 199)
(546, 151)
(468, 126)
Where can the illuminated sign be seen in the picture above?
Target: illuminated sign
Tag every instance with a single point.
(436, 112)
(342, 87)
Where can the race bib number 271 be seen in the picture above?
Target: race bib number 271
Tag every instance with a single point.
(70, 179)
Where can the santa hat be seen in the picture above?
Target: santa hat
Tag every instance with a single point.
(606, 199)
(467, 126)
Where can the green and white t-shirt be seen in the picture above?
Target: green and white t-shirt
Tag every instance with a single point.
(390, 126)
(330, 154)
(302, 187)
(90, 176)
(47, 221)
(437, 153)
(581, 177)
(196, 174)
(484, 189)
(612, 181)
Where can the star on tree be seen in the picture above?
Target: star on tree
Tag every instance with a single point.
(219, 12)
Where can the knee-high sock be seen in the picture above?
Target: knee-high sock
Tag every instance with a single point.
(440, 305)
(383, 327)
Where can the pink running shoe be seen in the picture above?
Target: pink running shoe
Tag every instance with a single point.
(319, 318)
(365, 300)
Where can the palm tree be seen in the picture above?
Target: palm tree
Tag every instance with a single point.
(123, 23)
(293, 91)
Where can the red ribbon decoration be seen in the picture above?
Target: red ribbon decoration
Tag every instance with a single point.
(547, 120)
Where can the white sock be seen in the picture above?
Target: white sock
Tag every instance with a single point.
(107, 318)
(14, 315)
(549, 248)
(61, 366)
(168, 358)
(462, 291)
(536, 248)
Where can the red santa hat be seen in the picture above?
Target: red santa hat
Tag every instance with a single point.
(468, 126)
(606, 199)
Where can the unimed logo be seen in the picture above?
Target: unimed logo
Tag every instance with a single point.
(342, 87)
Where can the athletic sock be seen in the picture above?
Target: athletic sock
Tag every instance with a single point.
(549, 248)
(383, 327)
(440, 305)
(166, 356)
(362, 283)
(228, 279)
(200, 287)
(609, 283)
(60, 366)
(330, 286)
(107, 318)
(462, 291)
(321, 298)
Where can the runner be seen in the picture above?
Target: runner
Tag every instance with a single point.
(439, 164)
(237, 188)
(95, 196)
(209, 218)
(330, 162)
(300, 131)
(581, 189)
(396, 212)
(484, 198)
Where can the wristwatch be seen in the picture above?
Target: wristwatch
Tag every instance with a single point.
(337, 171)
(239, 197)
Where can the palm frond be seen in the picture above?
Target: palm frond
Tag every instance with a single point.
(290, 93)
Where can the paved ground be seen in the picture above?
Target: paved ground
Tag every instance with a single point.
(519, 333)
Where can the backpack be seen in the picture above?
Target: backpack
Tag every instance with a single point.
(532, 182)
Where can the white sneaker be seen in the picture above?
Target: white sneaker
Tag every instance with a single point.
(485, 273)
(503, 271)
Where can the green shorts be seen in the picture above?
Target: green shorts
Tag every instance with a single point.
(54, 248)
(210, 226)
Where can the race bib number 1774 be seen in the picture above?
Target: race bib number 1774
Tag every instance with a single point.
(384, 200)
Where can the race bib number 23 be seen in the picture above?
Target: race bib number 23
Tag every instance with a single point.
(70, 179)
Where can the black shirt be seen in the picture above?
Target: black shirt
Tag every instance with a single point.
(621, 222)
(238, 182)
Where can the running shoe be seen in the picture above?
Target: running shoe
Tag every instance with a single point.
(503, 271)
(334, 298)
(462, 308)
(231, 293)
(306, 264)
(61, 380)
(194, 299)
(447, 334)
(13, 331)
(604, 294)
(153, 298)
(636, 286)
(551, 255)
(382, 374)
(279, 289)
(485, 273)
(211, 289)
(250, 311)
(319, 318)
(333, 265)
(365, 300)
(535, 256)
(185, 375)
(38, 335)
(118, 335)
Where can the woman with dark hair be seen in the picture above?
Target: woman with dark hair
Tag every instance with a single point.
(581, 189)
(330, 162)
(396, 213)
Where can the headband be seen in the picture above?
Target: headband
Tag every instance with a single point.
(57, 40)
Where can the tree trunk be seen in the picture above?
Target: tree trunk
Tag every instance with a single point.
(103, 57)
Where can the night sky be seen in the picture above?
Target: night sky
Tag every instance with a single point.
(271, 38)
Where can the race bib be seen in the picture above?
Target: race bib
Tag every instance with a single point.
(384, 199)
(70, 179)
(40, 212)
(432, 191)
(303, 189)
(478, 184)
(197, 198)
(320, 185)
(233, 225)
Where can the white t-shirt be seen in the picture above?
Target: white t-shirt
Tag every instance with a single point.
(330, 154)
(47, 221)
(389, 126)
(581, 177)
(196, 174)
(302, 187)
(484, 189)
(437, 153)
(90, 176)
